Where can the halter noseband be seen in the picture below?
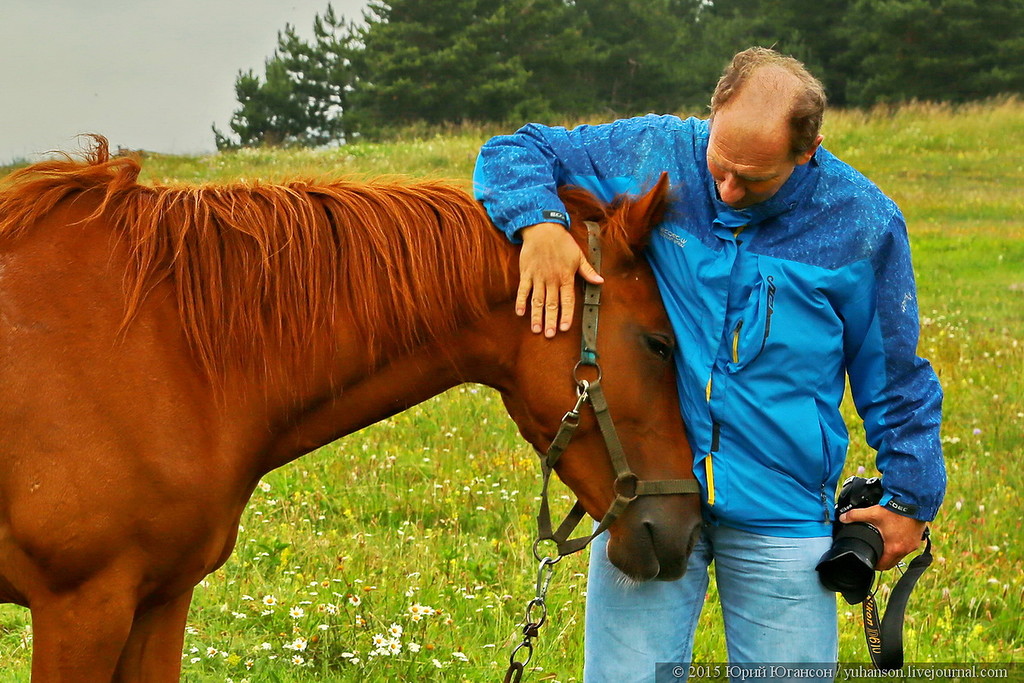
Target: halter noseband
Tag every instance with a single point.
(627, 485)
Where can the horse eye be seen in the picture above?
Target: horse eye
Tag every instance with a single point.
(660, 346)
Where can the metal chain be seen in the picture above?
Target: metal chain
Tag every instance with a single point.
(536, 615)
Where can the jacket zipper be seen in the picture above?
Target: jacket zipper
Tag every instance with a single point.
(736, 342)
(770, 305)
(770, 310)
(709, 467)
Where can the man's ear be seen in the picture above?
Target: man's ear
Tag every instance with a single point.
(806, 155)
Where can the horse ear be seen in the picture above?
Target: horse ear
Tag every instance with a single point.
(644, 213)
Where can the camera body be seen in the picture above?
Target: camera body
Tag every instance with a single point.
(848, 567)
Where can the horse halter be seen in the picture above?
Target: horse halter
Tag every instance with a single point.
(628, 486)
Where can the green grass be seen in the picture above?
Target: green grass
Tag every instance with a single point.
(425, 521)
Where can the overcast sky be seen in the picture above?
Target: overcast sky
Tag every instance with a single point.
(147, 74)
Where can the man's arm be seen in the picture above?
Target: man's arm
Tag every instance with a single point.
(898, 396)
(517, 178)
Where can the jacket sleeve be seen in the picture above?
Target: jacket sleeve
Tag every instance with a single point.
(517, 176)
(896, 392)
(516, 179)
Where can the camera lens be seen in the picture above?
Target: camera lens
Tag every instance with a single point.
(848, 567)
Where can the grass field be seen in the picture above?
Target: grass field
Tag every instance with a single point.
(402, 553)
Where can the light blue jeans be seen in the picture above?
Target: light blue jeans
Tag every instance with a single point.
(774, 607)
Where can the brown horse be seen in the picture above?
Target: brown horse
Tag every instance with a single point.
(162, 348)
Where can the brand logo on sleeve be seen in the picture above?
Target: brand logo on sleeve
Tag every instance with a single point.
(556, 217)
(902, 508)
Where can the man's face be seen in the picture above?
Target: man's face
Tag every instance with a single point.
(749, 157)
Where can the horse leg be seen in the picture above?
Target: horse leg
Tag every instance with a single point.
(153, 651)
(78, 635)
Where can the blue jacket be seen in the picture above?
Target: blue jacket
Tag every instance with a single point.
(769, 319)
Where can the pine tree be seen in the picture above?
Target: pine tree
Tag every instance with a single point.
(269, 113)
(642, 53)
(948, 50)
(422, 61)
(302, 96)
(478, 60)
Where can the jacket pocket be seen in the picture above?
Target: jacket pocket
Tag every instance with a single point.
(751, 332)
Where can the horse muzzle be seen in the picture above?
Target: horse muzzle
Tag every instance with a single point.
(654, 537)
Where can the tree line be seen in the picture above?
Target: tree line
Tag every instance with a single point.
(412, 62)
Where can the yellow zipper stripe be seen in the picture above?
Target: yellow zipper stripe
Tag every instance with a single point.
(709, 471)
(736, 342)
(707, 391)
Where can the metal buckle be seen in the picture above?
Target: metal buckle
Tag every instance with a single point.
(573, 416)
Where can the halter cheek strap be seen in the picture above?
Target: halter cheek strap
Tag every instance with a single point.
(627, 485)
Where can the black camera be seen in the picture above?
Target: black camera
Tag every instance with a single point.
(848, 567)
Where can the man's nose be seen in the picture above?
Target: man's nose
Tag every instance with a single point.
(730, 190)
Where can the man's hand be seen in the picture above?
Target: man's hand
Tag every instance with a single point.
(902, 535)
(548, 263)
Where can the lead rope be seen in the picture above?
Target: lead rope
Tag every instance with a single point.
(531, 628)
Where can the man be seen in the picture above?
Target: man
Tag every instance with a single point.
(783, 270)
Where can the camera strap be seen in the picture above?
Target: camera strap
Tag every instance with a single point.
(885, 637)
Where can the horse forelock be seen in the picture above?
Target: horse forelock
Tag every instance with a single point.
(277, 268)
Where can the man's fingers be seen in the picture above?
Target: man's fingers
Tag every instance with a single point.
(589, 273)
(901, 535)
(537, 308)
(551, 306)
(567, 301)
(548, 263)
(523, 295)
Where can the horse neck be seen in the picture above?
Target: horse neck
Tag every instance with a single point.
(340, 395)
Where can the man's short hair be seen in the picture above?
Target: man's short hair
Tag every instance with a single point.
(808, 106)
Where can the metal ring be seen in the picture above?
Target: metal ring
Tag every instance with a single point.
(545, 558)
(529, 654)
(536, 602)
(576, 370)
(625, 486)
(514, 673)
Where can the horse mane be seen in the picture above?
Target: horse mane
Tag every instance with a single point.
(262, 268)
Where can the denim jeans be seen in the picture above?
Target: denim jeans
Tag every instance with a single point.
(775, 609)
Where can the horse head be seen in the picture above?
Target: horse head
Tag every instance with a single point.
(635, 346)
